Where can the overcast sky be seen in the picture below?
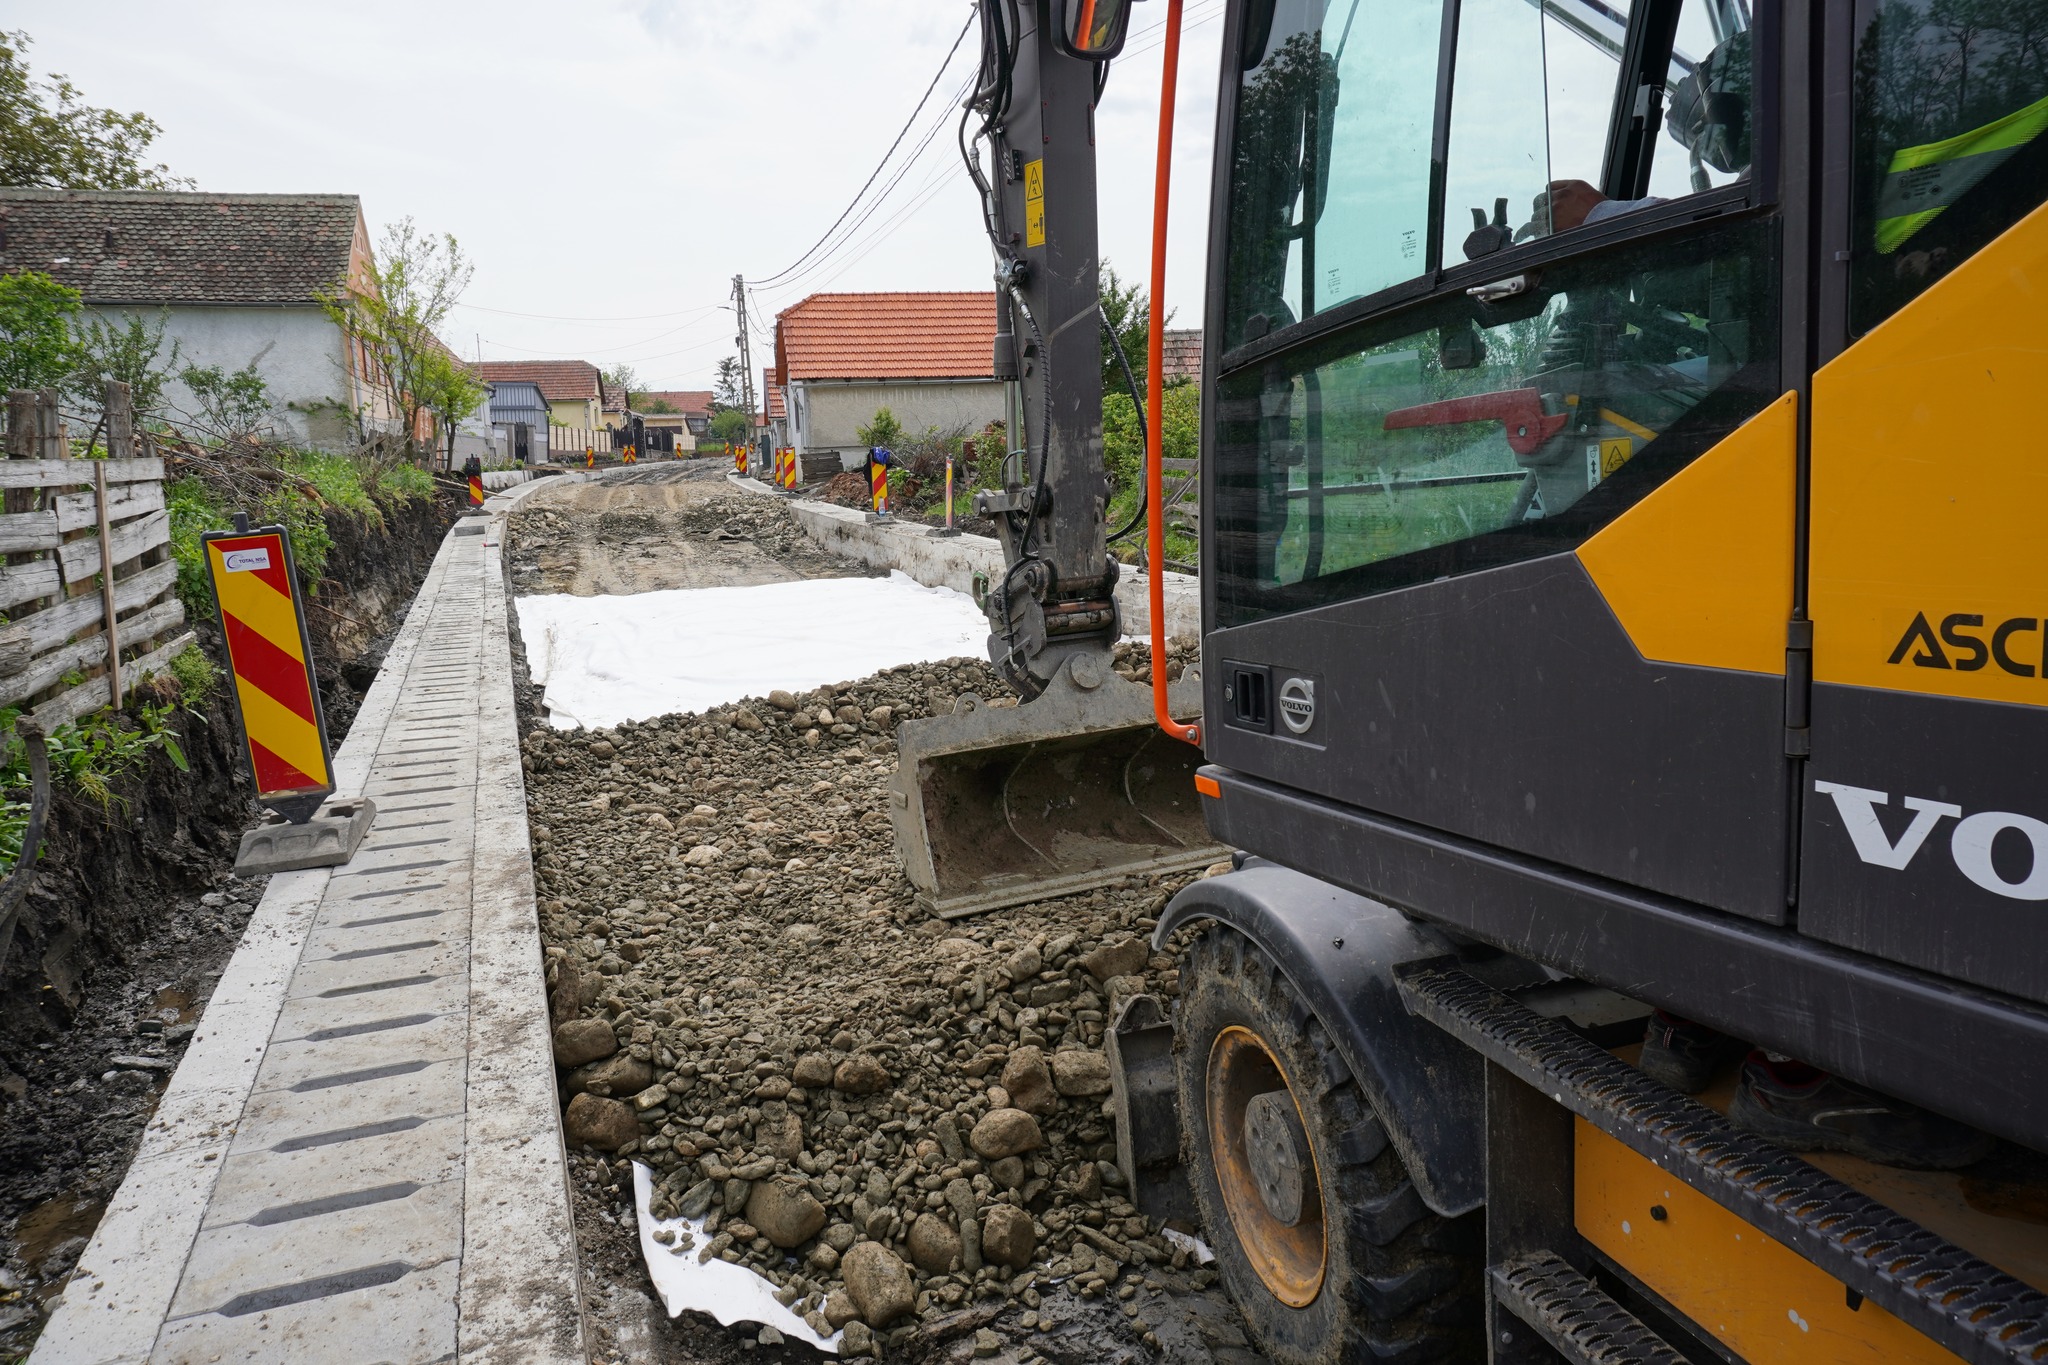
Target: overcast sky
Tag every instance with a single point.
(611, 165)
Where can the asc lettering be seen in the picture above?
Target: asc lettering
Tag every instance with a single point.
(2014, 645)
(1969, 843)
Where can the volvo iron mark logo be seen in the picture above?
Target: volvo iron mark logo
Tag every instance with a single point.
(1298, 704)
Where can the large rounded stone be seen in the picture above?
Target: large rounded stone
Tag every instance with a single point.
(879, 1284)
(934, 1246)
(785, 1213)
(584, 1040)
(1007, 1237)
(599, 1122)
(1005, 1132)
(813, 1071)
(860, 1074)
(1029, 1082)
(1117, 959)
(622, 1073)
(1080, 1073)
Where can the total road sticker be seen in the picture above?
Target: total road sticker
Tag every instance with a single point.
(243, 561)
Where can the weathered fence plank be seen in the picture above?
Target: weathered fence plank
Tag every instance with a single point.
(49, 670)
(93, 695)
(77, 473)
(27, 582)
(75, 511)
(24, 531)
(80, 559)
(44, 630)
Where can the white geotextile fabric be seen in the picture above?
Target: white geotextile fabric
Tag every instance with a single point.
(605, 660)
(731, 1293)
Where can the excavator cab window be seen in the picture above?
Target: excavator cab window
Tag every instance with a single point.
(1535, 148)
(1950, 140)
(1364, 462)
(1331, 168)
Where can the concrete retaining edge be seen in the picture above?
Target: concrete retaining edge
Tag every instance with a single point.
(954, 561)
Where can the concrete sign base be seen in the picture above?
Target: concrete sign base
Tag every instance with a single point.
(329, 839)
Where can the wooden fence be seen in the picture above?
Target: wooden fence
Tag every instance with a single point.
(87, 586)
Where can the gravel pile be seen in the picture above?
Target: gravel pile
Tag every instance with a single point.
(770, 526)
(898, 1120)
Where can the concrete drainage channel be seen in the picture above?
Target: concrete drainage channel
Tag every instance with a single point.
(358, 1157)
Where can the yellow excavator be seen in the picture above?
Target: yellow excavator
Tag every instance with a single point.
(1623, 675)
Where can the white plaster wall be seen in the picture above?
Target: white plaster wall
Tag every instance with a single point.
(831, 413)
(298, 351)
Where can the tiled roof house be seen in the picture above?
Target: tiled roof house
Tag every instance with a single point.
(575, 389)
(238, 278)
(927, 357)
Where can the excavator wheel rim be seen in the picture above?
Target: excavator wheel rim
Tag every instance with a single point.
(1290, 1261)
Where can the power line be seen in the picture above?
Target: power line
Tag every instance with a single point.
(554, 317)
(936, 77)
(787, 288)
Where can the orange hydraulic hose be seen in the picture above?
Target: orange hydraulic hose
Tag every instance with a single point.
(1155, 385)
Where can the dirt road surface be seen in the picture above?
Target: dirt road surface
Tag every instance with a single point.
(898, 1120)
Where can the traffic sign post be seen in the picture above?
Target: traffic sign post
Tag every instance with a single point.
(277, 699)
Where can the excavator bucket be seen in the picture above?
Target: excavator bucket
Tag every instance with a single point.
(1003, 806)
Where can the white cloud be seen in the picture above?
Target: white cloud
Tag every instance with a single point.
(614, 160)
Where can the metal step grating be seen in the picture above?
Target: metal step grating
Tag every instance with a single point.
(1575, 1315)
(1971, 1308)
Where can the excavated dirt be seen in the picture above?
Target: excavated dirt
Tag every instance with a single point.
(800, 1052)
(678, 525)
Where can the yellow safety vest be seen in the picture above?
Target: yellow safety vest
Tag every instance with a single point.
(1922, 181)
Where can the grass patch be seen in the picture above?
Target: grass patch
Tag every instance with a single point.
(202, 502)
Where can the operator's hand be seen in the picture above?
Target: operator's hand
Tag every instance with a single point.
(1565, 204)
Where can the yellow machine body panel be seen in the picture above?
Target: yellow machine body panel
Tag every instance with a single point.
(1929, 476)
(1700, 571)
(1755, 1295)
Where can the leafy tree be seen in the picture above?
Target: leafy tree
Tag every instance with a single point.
(232, 403)
(729, 390)
(1124, 454)
(417, 278)
(131, 351)
(884, 431)
(732, 425)
(658, 405)
(1130, 315)
(623, 378)
(450, 390)
(49, 136)
(36, 349)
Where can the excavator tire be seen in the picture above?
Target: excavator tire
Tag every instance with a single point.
(1365, 1271)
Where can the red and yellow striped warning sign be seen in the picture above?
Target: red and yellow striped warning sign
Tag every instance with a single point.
(272, 662)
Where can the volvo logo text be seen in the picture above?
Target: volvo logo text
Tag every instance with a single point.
(1969, 845)
(1298, 704)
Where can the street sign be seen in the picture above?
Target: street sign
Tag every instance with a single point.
(264, 624)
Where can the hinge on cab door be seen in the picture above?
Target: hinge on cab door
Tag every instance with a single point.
(1798, 687)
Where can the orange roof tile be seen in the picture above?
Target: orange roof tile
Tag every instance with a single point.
(561, 381)
(888, 336)
(682, 400)
(771, 387)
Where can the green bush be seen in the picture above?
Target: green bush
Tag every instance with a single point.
(361, 488)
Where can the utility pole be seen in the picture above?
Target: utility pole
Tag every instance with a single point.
(739, 308)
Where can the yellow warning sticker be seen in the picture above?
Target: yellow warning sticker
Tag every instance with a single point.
(1034, 203)
(1605, 457)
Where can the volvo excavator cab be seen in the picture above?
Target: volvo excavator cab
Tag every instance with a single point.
(1621, 590)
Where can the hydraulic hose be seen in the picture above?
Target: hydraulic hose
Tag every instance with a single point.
(1123, 361)
(1155, 384)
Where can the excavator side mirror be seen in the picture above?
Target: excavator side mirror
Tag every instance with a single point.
(1092, 30)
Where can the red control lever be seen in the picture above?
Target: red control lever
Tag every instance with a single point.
(1519, 410)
